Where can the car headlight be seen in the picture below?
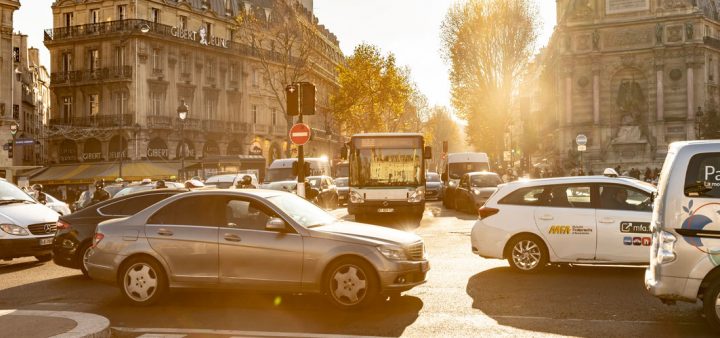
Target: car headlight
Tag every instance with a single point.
(14, 230)
(392, 252)
(417, 196)
(476, 191)
(356, 197)
(452, 184)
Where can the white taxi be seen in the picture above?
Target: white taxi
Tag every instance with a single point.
(584, 220)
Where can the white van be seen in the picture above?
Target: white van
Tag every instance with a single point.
(280, 170)
(685, 252)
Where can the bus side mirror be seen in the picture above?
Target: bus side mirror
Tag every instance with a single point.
(444, 177)
(427, 153)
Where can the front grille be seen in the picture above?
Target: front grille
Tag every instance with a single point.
(416, 251)
(42, 228)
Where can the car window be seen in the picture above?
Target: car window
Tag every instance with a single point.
(464, 181)
(618, 197)
(244, 214)
(193, 210)
(485, 181)
(432, 177)
(703, 176)
(575, 196)
(131, 206)
(341, 182)
(533, 196)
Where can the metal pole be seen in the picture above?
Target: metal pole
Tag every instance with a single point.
(120, 150)
(301, 152)
(182, 148)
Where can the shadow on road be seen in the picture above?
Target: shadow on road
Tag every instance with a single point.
(438, 211)
(9, 266)
(394, 221)
(581, 301)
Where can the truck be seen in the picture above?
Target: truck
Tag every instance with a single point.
(456, 165)
(387, 174)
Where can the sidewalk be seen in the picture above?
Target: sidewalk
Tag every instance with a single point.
(42, 324)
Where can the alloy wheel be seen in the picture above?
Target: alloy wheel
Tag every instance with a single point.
(526, 255)
(140, 282)
(348, 284)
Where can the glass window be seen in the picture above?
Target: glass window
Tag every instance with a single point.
(301, 211)
(617, 197)
(94, 15)
(10, 192)
(250, 215)
(121, 12)
(155, 15)
(68, 19)
(341, 182)
(485, 181)
(456, 170)
(703, 176)
(432, 177)
(562, 196)
(67, 62)
(67, 109)
(131, 206)
(464, 181)
(94, 59)
(387, 161)
(194, 210)
(119, 57)
(94, 100)
(527, 196)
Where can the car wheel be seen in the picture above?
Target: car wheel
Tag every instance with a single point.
(527, 254)
(711, 304)
(83, 257)
(351, 284)
(143, 281)
(44, 258)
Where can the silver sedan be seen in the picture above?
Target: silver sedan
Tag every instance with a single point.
(258, 239)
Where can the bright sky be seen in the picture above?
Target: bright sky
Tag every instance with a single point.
(408, 28)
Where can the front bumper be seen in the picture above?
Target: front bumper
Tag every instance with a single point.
(374, 207)
(434, 195)
(405, 276)
(24, 247)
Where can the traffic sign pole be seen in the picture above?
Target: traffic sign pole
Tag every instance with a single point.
(301, 150)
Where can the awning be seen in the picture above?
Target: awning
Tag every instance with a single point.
(90, 172)
(71, 174)
(137, 171)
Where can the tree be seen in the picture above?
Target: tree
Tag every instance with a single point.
(441, 127)
(375, 94)
(488, 44)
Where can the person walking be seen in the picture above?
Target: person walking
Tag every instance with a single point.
(100, 193)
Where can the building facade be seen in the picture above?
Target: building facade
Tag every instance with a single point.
(633, 76)
(122, 68)
(7, 72)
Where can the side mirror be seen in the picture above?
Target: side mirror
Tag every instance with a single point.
(444, 177)
(276, 224)
(427, 153)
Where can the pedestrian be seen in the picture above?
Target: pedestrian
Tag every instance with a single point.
(38, 192)
(100, 194)
(245, 183)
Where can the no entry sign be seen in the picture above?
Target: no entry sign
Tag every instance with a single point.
(300, 134)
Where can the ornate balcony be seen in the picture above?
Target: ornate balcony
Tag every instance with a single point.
(238, 127)
(190, 124)
(92, 75)
(98, 121)
(159, 122)
(260, 129)
(278, 130)
(214, 126)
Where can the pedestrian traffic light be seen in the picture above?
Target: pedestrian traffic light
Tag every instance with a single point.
(10, 149)
(300, 98)
(291, 96)
(308, 98)
(295, 169)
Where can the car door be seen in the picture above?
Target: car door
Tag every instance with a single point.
(566, 219)
(462, 193)
(251, 255)
(185, 234)
(623, 224)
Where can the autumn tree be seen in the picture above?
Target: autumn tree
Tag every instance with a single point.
(488, 44)
(375, 94)
(440, 127)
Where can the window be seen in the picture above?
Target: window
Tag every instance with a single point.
(182, 22)
(66, 65)
(617, 197)
(155, 15)
(16, 54)
(185, 64)
(249, 215)
(256, 78)
(122, 12)
(156, 59)
(208, 29)
(156, 103)
(94, 56)
(195, 210)
(211, 107)
(67, 111)
(211, 69)
(254, 114)
(702, 178)
(94, 100)
(231, 72)
(68, 19)
(94, 16)
(121, 99)
(131, 206)
(120, 56)
(274, 116)
(563, 196)
(485, 181)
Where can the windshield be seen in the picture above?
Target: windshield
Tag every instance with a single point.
(130, 190)
(315, 181)
(485, 181)
(279, 174)
(302, 211)
(456, 170)
(341, 170)
(341, 182)
(432, 177)
(11, 192)
(387, 161)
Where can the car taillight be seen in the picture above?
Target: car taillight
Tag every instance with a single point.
(62, 225)
(487, 212)
(98, 237)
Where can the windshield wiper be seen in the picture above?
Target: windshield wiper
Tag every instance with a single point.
(16, 200)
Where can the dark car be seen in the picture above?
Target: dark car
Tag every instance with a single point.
(75, 231)
(474, 189)
(327, 192)
(343, 190)
(433, 187)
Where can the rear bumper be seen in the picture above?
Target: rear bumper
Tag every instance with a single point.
(672, 288)
(23, 247)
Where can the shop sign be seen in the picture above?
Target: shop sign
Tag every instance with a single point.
(157, 150)
(200, 36)
(255, 148)
(68, 152)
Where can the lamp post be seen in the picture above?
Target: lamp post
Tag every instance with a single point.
(699, 124)
(182, 112)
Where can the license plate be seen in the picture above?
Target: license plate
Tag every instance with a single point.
(386, 210)
(424, 266)
(46, 241)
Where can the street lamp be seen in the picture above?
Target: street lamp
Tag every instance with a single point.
(182, 112)
(699, 124)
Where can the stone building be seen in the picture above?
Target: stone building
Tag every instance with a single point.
(7, 72)
(121, 68)
(632, 75)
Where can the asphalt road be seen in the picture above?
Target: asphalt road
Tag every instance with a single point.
(465, 296)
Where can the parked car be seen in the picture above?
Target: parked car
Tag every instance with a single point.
(133, 188)
(285, 243)
(26, 226)
(327, 197)
(582, 219)
(433, 187)
(341, 184)
(75, 232)
(59, 206)
(684, 256)
(225, 181)
(474, 189)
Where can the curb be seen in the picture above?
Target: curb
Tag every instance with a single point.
(88, 324)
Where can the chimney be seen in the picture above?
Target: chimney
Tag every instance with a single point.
(33, 56)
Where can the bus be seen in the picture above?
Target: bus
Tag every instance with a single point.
(387, 174)
(456, 165)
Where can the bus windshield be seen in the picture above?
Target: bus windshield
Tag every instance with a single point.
(387, 162)
(457, 169)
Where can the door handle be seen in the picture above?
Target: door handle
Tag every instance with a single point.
(606, 220)
(546, 217)
(232, 238)
(164, 232)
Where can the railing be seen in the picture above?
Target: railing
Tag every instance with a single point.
(260, 129)
(214, 126)
(238, 127)
(100, 121)
(190, 124)
(91, 75)
(159, 122)
(278, 130)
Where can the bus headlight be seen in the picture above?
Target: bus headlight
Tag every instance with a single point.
(356, 197)
(417, 196)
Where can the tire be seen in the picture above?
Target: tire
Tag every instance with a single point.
(448, 202)
(351, 283)
(711, 304)
(527, 254)
(82, 258)
(44, 258)
(142, 281)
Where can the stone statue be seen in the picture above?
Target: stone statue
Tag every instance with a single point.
(689, 30)
(596, 40)
(630, 102)
(659, 33)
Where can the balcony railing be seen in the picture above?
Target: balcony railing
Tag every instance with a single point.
(190, 124)
(260, 129)
(278, 130)
(92, 75)
(214, 126)
(98, 121)
(159, 122)
(238, 127)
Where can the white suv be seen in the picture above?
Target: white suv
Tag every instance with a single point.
(584, 219)
(685, 255)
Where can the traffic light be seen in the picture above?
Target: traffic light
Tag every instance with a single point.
(308, 98)
(10, 149)
(295, 168)
(291, 96)
(445, 147)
